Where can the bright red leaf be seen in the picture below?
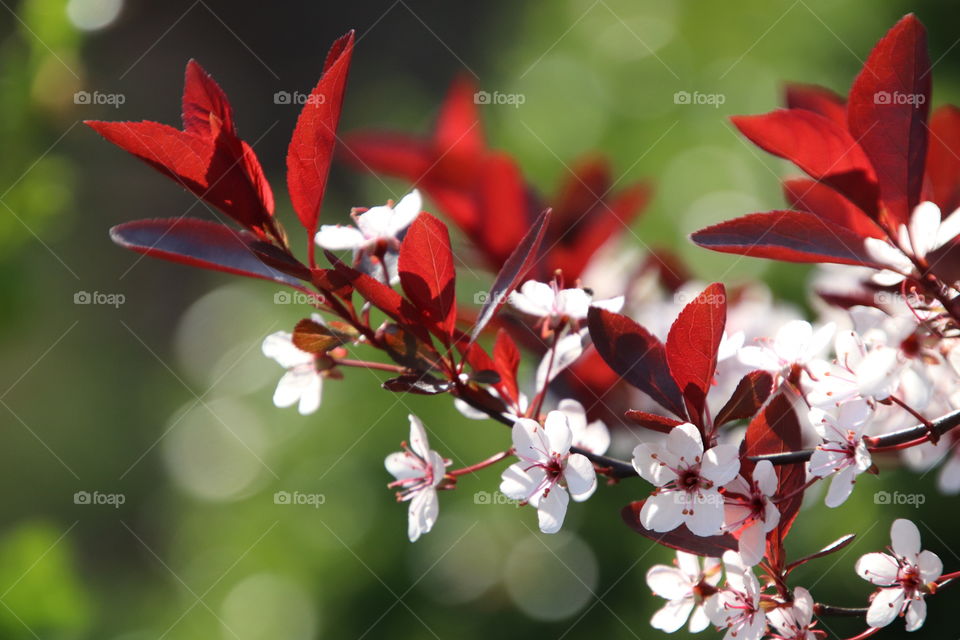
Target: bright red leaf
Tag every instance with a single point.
(427, 273)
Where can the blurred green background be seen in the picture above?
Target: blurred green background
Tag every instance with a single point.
(165, 399)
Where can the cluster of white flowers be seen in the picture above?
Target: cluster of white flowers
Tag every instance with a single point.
(748, 612)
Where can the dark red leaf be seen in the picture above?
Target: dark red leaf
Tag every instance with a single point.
(945, 262)
(692, 347)
(750, 394)
(887, 111)
(420, 384)
(943, 159)
(315, 136)
(206, 109)
(652, 421)
(635, 355)
(502, 211)
(427, 274)
(458, 130)
(818, 146)
(818, 198)
(790, 236)
(198, 243)
(506, 357)
(512, 273)
(680, 538)
(776, 429)
(811, 97)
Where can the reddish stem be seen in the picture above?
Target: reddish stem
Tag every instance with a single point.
(483, 464)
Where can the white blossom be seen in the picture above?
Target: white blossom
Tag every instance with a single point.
(302, 382)
(418, 470)
(685, 587)
(736, 607)
(750, 512)
(842, 451)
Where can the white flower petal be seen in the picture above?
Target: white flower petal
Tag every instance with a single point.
(930, 565)
(663, 512)
(879, 568)
(672, 615)
(885, 607)
(534, 298)
(516, 483)
(405, 211)
(279, 346)
(752, 544)
(766, 477)
(552, 509)
(705, 516)
(721, 464)
(916, 614)
(924, 223)
(558, 432)
(669, 582)
(403, 465)
(685, 443)
(573, 303)
(905, 538)
(422, 514)
(336, 237)
(418, 437)
(841, 487)
(580, 476)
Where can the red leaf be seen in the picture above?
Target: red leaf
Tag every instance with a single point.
(790, 236)
(692, 347)
(680, 538)
(458, 131)
(635, 355)
(818, 146)
(943, 159)
(502, 212)
(818, 99)
(206, 109)
(513, 271)
(427, 274)
(776, 429)
(314, 138)
(418, 383)
(198, 243)
(652, 421)
(506, 357)
(750, 394)
(816, 197)
(887, 111)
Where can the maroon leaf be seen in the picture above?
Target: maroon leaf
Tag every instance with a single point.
(427, 274)
(635, 355)
(206, 109)
(827, 204)
(818, 146)
(833, 547)
(198, 243)
(943, 158)
(790, 236)
(750, 394)
(314, 138)
(513, 271)
(818, 99)
(420, 384)
(680, 538)
(652, 421)
(692, 345)
(776, 429)
(506, 358)
(887, 111)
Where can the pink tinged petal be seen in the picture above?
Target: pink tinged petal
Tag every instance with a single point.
(716, 610)
(529, 442)
(292, 385)
(422, 514)
(279, 347)
(558, 432)
(689, 565)
(771, 517)
(924, 224)
(403, 466)
(672, 616)
(905, 538)
(311, 395)
(517, 483)
(823, 463)
(653, 464)
(706, 516)
(574, 303)
(663, 512)
(610, 304)
(754, 629)
(568, 351)
(886, 254)
(854, 413)
(580, 476)
(849, 349)
(792, 339)
(879, 568)
(861, 457)
(752, 544)
(885, 607)
(949, 229)
(877, 373)
(551, 510)
(374, 223)
(684, 441)
(711, 569)
(803, 606)
(335, 237)
(576, 414)
(765, 477)
(819, 341)
(759, 358)
(404, 212)
(669, 582)
(721, 464)
(418, 437)
(698, 620)
(916, 614)
(534, 298)
(439, 466)
(930, 565)
(595, 438)
(841, 487)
